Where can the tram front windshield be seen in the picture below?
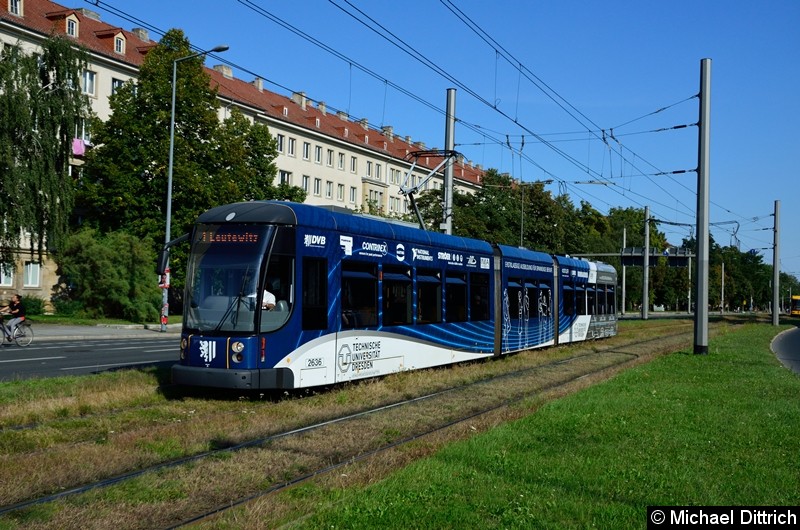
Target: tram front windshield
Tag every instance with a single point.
(225, 277)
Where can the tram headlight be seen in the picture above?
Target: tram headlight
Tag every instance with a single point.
(237, 348)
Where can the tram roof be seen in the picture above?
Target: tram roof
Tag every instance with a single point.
(577, 264)
(290, 213)
(524, 254)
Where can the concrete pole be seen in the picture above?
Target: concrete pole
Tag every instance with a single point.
(449, 145)
(776, 271)
(722, 293)
(624, 268)
(646, 264)
(689, 295)
(703, 175)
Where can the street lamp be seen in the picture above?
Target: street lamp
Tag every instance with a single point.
(165, 286)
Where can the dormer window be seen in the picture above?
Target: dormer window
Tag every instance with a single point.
(285, 111)
(15, 7)
(119, 45)
(72, 26)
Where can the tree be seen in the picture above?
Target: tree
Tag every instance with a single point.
(125, 184)
(214, 162)
(41, 108)
(110, 275)
(246, 164)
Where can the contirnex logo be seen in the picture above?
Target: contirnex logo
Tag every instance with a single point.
(380, 248)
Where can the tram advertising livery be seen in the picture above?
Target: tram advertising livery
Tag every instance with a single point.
(283, 295)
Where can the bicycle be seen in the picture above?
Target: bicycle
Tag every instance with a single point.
(23, 333)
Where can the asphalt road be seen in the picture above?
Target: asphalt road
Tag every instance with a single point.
(786, 347)
(79, 350)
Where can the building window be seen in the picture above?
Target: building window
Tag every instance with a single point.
(280, 139)
(369, 168)
(341, 161)
(31, 277)
(318, 154)
(353, 164)
(306, 180)
(292, 143)
(6, 275)
(340, 192)
(306, 151)
(72, 27)
(82, 131)
(116, 84)
(15, 7)
(88, 81)
(119, 45)
(329, 189)
(317, 186)
(353, 194)
(286, 177)
(377, 171)
(329, 158)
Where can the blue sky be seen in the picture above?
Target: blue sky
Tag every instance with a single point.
(629, 68)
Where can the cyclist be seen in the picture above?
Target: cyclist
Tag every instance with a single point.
(17, 312)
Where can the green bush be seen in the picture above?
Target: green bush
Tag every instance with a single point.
(108, 276)
(33, 305)
(66, 307)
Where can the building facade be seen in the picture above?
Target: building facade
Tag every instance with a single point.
(337, 160)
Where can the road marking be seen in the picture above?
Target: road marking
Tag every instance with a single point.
(33, 359)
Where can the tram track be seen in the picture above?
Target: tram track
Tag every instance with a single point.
(299, 454)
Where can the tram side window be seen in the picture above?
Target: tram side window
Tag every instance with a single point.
(315, 293)
(397, 299)
(611, 301)
(280, 271)
(456, 297)
(569, 300)
(601, 300)
(359, 295)
(479, 296)
(429, 296)
(591, 292)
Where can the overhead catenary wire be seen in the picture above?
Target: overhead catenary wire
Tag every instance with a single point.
(523, 72)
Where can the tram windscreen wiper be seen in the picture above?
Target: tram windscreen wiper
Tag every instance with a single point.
(229, 311)
(237, 302)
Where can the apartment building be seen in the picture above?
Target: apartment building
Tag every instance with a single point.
(337, 160)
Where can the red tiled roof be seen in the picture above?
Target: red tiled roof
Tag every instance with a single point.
(330, 124)
(47, 18)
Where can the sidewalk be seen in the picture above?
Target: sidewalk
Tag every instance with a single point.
(43, 331)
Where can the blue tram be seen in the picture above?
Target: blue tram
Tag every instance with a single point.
(358, 296)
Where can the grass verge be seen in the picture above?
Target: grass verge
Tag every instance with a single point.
(716, 429)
